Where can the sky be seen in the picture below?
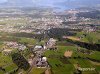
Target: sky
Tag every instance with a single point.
(36, 2)
(63, 4)
(1, 1)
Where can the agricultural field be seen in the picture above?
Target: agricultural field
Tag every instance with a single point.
(6, 64)
(65, 60)
(92, 37)
(38, 70)
(62, 65)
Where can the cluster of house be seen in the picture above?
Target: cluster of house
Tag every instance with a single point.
(10, 46)
(42, 62)
(89, 29)
(49, 45)
(15, 45)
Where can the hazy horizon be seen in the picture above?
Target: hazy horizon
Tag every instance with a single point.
(62, 4)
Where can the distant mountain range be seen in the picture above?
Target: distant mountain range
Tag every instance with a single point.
(63, 4)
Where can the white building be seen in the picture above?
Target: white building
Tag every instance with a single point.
(37, 47)
(44, 59)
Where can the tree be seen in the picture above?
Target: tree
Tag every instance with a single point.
(20, 61)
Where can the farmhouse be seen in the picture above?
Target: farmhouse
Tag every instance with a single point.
(42, 62)
(38, 47)
(21, 47)
(51, 44)
(6, 51)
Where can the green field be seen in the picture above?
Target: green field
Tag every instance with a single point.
(7, 64)
(59, 66)
(58, 63)
(37, 71)
(66, 66)
(92, 37)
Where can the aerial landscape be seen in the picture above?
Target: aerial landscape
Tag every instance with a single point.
(49, 36)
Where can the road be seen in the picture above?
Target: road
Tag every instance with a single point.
(34, 60)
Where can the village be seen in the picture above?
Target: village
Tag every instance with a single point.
(38, 50)
(40, 60)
